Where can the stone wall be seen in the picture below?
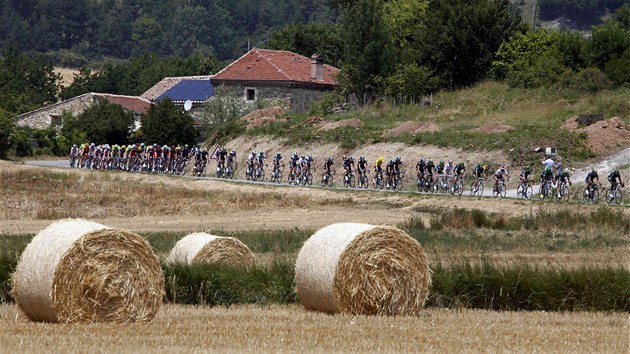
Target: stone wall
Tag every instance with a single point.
(299, 99)
(42, 118)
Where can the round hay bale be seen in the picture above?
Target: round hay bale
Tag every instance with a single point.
(81, 271)
(362, 269)
(203, 248)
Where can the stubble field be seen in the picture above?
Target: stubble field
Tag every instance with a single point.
(30, 198)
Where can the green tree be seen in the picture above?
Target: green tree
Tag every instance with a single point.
(460, 38)
(607, 42)
(367, 48)
(6, 130)
(146, 36)
(168, 124)
(26, 83)
(520, 49)
(536, 71)
(412, 81)
(104, 122)
(404, 19)
(309, 39)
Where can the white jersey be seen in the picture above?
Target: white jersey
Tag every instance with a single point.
(548, 163)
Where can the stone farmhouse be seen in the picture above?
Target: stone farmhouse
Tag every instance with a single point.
(276, 74)
(45, 117)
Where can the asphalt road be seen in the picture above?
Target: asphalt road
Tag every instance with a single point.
(577, 175)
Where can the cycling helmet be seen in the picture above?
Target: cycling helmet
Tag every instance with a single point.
(430, 161)
(397, 158)
(450, 161)
(421, 160)
(441, 162)
(92, 144)
(185, 145)
(74, 145)
(233, 151)
(124, 146)
(278, 154)
(330, 158)
(343, 157)
(309, 156)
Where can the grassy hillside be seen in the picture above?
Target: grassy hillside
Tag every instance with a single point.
(470, 119)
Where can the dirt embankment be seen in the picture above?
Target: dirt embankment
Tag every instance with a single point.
(409, 154)
(603, 137)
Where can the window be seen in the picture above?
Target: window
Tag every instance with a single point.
(250, 94)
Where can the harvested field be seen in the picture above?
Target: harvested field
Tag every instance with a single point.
(292, 329)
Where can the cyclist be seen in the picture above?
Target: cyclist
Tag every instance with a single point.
(563, 177)
(591, 179)
(546, 176)
(524, 176)
(362, 166)
(327, 168)
(74, 151)
(500, 175)
(221, 153)
(479, 172)
(397, 164)
(440, 168)
(185, 152)
(309, 162)
(277, 161)
(420, 168)
(612, 179)
(430, 168)
(250, 161)
(559, 168)
(293, 163)
(389, 172)
(260, 160)
(348, 165)
(378, 167)
(460, 170)
(448, 169)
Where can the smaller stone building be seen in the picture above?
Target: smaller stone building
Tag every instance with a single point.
(276, 74)
(45, 117)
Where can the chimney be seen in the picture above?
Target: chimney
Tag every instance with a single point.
(317, 68)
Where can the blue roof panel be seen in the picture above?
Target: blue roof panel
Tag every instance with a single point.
(194, 90)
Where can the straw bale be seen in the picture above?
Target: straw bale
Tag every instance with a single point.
(82, 271)
(362, 269)
(204, 248)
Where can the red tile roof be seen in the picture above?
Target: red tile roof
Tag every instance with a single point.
(275, 65)
(132, 103)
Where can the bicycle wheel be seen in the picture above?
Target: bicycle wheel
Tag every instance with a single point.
(279, 177)
(520, 191)
(503, 190)
(529, 192)
(565, 193)
(420, 183)
(473, 189)
(617, 196)
(586, 196)
(595, 197)
(496, 191)
(352, 181)
(480, 187)
(248, 174)
(460, 187)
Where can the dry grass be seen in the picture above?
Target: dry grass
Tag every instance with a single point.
(40, 194)
(292, 329)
